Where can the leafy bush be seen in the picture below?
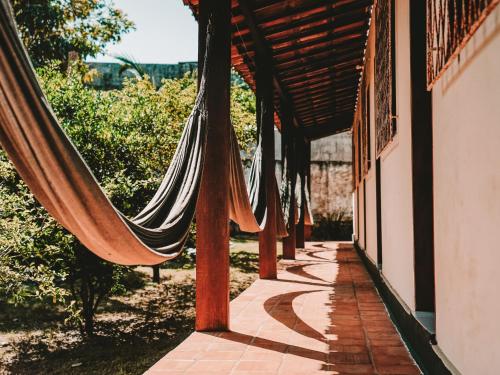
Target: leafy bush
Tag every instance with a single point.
(128, 138)
(336, 226)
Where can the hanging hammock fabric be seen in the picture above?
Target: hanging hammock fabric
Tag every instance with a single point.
(249, 217)
(248, 206)
(308, 217)
(62, 182)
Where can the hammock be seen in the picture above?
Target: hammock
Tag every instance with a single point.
(286, 187)
(308, 217)
(61, 181)
(248, 208)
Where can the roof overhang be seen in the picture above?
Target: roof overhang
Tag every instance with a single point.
(317, 50)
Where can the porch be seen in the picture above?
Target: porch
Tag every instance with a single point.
(322, 315)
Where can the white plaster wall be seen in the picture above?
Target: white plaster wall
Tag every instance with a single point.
(371, 217)
(355, 218)
(361, 222)
(396, 176)
(466, 123)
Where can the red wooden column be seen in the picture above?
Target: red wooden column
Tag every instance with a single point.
(300, 234)
(265, 111)
(287, 132)
(212, 211)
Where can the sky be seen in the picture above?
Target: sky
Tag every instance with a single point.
(165, 32)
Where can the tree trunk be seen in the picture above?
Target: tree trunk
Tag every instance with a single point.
(88, 316)
(156, 274)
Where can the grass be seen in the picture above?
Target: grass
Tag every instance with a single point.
(132, 331)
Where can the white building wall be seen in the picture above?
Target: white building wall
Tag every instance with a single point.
(361, 217)
(396, 176)
(466, 135)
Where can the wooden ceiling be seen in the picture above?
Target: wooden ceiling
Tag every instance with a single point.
(316, 48)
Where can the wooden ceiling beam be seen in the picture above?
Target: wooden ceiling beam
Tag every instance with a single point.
(263, 49)
(332, 63)
(322, 15)
(322, 85)
(334, 96)
(288, 11)
(336, 126)
(333, 38)
(327, 48)
(338, 75)
(312, 48)
(327, 104)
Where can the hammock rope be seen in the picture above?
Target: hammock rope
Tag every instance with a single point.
(59, 178)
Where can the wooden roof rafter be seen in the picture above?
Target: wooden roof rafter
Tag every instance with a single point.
(316, 49)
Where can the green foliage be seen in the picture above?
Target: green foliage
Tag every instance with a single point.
(128, 138)
(336, 226)
(243, 112)
(50, 29)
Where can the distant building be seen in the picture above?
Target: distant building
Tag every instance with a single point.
(110, 78)
(331, 175)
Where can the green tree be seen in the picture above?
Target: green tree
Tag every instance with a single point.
(128, 138)
(50, 29)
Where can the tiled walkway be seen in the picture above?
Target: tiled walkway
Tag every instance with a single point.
(322, 316)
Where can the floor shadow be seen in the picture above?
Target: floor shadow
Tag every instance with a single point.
(299, 271)
(312, 254)
(280, 307)
(276, 346)
(303, 282)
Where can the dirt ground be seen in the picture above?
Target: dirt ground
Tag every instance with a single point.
(132, 331)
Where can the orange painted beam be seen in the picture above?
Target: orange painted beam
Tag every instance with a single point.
(265, 112)
(212, 211)
(288, 153)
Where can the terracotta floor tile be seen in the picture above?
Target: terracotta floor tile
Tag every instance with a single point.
(185, 354)
(262, 355)
(323, 316)
(213, 366)
(350, 369)
(399, 370)
(220, 355)
(227, 347)
(257, 366)
(169, 365)
(349, 358)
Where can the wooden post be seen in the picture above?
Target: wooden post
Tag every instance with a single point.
(422, 165)
(301, 149)
(288, 139)
(212, 211)
(267, 238)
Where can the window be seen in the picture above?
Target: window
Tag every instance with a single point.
(385, 123)
(450, 24)
(365, 125)
(359, 151)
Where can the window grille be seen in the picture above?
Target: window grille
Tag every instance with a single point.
(359, 150)
(384, 124)
(367, 128)
(365, 124)
(450, 25)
